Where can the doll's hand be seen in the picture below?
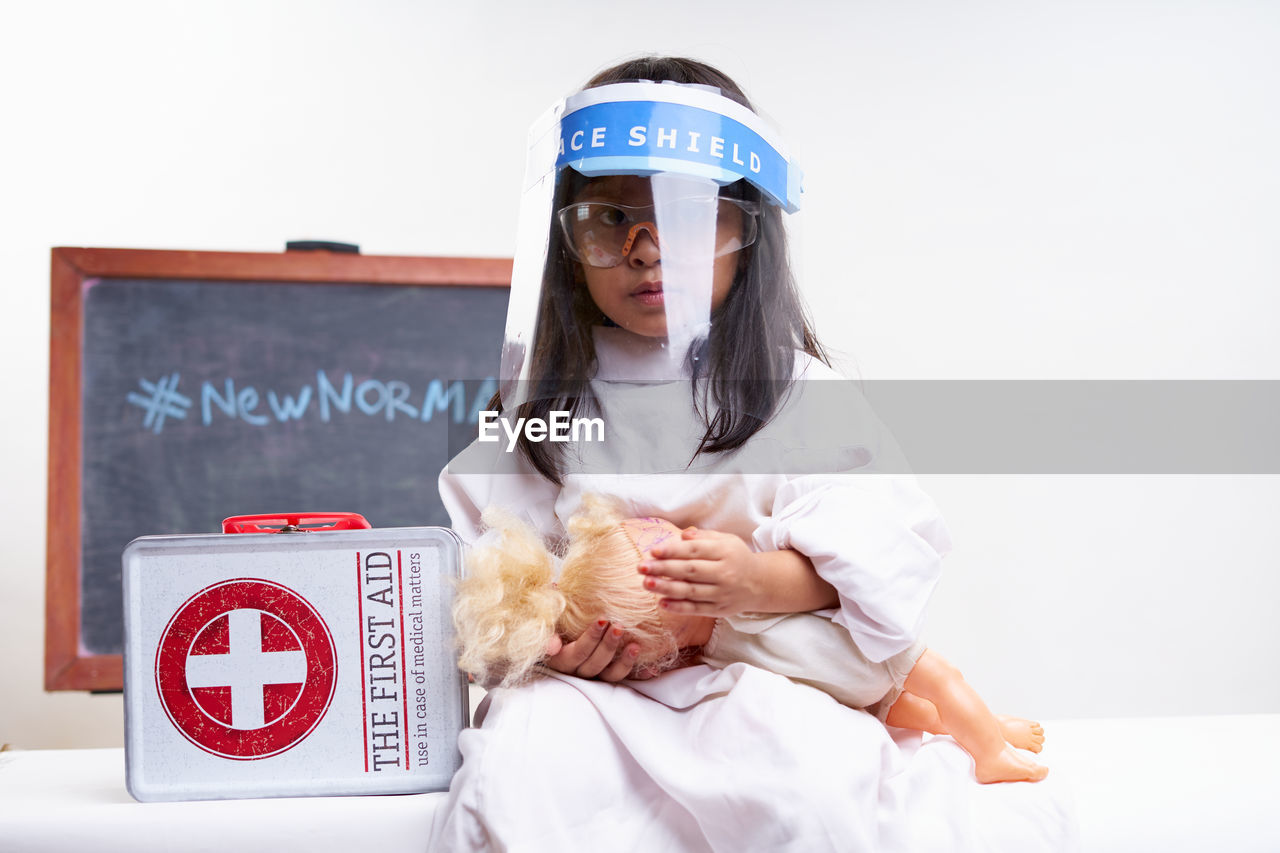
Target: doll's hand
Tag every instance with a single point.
(704, 572)
(599, 653)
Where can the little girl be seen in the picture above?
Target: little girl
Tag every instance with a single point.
(652, 293)
(512, 602)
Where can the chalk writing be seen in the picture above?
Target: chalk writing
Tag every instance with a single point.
(163, 401)
(321, 400)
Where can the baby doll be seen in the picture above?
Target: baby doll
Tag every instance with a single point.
(511, 604)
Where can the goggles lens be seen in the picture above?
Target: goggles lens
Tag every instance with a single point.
(602, 234)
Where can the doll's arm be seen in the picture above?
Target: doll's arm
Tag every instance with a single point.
(710, 573)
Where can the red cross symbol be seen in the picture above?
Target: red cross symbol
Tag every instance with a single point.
(246, 668)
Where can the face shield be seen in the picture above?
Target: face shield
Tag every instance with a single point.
(641, 202)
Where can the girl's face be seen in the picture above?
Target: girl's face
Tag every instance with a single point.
(630, 294)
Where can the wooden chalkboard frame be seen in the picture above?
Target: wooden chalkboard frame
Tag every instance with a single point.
(67, 665)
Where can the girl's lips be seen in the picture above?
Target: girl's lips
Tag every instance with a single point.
(649, 293)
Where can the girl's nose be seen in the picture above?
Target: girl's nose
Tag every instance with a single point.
(641, 247)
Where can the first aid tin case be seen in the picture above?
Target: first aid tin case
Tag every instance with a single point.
(273, 664)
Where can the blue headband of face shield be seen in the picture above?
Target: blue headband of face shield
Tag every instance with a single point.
(646, 128)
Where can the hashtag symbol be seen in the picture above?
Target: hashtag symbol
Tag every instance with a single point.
(162, 401)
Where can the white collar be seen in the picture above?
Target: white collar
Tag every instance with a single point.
(623, 356)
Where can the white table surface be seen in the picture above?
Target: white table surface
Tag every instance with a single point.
(1153, 784)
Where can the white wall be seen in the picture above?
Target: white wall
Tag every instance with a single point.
(995, 190)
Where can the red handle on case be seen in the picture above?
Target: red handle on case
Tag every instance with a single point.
(294, 522)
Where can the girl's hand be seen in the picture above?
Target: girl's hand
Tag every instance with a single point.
(599, 653)
(707, 573)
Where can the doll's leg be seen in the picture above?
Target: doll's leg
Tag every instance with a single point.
(912, 712)
(1022, 733)
(965, 717)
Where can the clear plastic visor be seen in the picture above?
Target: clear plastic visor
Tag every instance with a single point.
(641, 200)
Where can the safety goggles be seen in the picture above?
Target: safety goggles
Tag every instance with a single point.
(602, 234)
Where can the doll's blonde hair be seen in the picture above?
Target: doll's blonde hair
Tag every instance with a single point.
(510, 602)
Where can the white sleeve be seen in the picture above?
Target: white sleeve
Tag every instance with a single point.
(878, 539)
(851, 505)
(484, 475)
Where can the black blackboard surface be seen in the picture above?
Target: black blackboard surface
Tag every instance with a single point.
(217, 384)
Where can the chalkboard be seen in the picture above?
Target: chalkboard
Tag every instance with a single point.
(190, 386)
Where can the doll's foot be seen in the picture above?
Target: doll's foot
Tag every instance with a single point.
(1024, 734)
(1009, 766)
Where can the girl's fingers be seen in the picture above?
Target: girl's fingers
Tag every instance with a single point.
(595, 654)
(665, 588)
(706, 547)
(680, 570)
(575, 654)
(603, 654)
(692, 608)
(622, 665)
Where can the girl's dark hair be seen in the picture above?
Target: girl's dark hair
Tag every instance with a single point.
(741, 371)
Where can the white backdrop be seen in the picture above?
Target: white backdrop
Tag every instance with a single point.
(1031, 190)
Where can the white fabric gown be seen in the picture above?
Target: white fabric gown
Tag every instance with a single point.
(737, 759)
